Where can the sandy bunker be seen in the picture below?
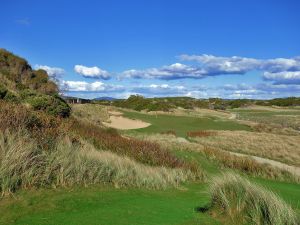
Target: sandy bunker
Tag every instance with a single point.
(119, 122)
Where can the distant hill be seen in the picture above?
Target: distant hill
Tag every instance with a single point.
(105, 98)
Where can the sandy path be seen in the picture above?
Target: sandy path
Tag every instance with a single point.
(293, 169)
(119, 122)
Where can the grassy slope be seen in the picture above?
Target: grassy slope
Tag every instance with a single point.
(182, 124)
(107, 205)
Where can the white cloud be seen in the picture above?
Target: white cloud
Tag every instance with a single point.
(159, 90)
(53, 72)
(278, 70)
(286, 77)
(170, 72)
(91, 72)
(98, 86)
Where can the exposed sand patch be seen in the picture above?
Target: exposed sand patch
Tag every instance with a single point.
(292, 169)
(119, 122)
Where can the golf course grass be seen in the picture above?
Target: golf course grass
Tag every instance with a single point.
(183, 124)
(107, 205)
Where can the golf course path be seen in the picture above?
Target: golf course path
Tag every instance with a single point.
(292, 169)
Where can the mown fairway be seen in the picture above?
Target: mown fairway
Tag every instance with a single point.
(183, 124)
(107, 205)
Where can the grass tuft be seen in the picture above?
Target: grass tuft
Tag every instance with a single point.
(243, 202)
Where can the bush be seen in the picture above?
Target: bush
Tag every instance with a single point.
(53, 105)
(3, 91)
(247, 203)
(11, 97)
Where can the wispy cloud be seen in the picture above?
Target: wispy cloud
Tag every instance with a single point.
(91, 72)
(23, 21)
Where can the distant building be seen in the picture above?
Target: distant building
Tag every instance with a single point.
(74, 100)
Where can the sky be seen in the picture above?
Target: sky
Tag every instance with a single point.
(198, 48)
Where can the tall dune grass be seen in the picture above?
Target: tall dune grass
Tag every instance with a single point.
(23, 165)
(244, 202)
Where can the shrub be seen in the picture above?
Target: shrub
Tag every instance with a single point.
(53, 105)
(248, 203)
(11, 97)
(3, 91)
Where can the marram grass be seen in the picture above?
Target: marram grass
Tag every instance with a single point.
(243, 202)
(24, 165)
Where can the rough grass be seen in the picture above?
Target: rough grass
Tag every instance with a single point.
(90, 113)
(222, 158)
(284, 118)
(24, 165)
(283, 148)
(243, 202)
(142, 151)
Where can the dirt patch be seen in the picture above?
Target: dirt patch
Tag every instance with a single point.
(119, 122)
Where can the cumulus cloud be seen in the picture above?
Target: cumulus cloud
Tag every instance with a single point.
(53, 72)
(278, 70)
(285, 70)
(82, 86)
(91, 72)
(286, 77)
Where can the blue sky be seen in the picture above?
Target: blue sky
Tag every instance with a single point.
(204, 48)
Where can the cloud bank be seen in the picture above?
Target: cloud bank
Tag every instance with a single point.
(278, 70)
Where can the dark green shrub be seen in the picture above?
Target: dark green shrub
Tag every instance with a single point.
(3, 91)
(52, 105)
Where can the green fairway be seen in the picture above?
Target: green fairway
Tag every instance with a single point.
(107, 205)
(183, 124)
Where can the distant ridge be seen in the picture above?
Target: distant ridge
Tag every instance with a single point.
(105, 98)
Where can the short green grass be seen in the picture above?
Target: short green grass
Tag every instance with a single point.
(107, 205)
(183, 124)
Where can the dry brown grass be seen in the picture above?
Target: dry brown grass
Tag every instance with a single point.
(24, 165)
(281, 148)
(91, 113)
(201, 133)
(223, 158)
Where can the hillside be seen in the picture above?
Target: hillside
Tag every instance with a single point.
(19, 83)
